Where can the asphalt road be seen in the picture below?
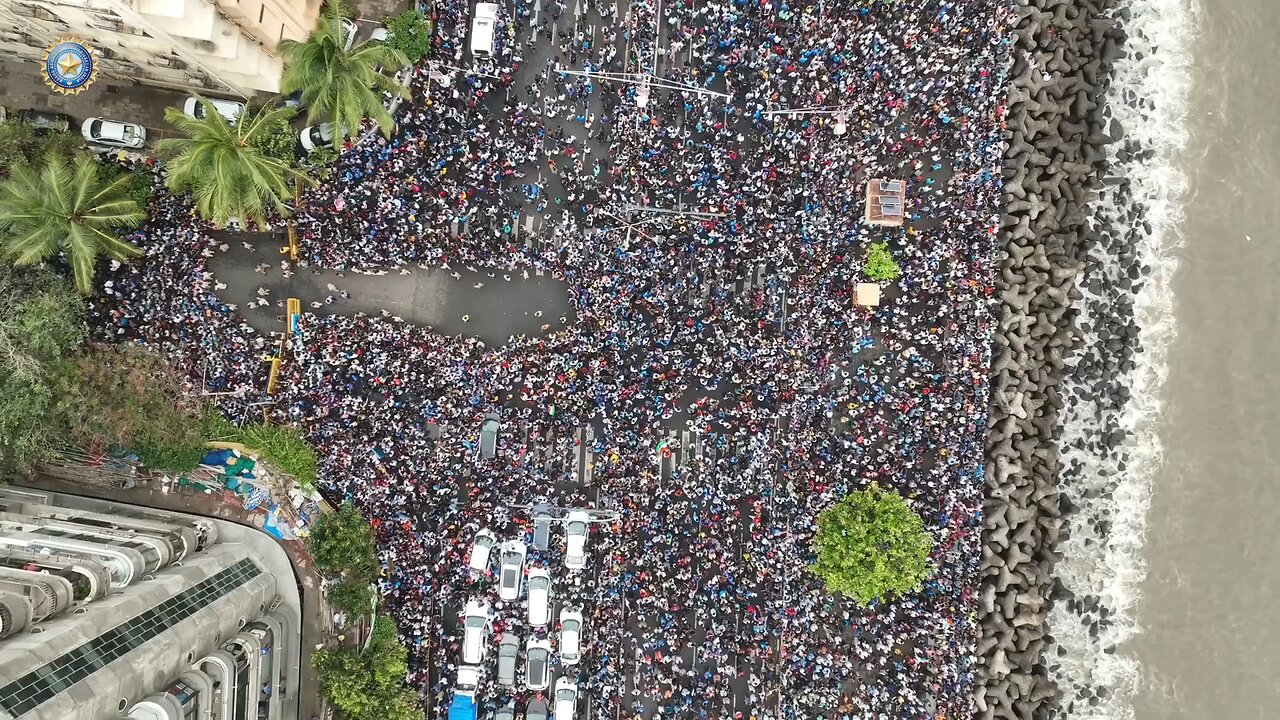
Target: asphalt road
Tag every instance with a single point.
(503, 305)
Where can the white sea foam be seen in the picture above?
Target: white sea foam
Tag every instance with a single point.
(1115, 488)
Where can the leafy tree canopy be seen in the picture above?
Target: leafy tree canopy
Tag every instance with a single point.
(20, 144)
(879, 263)
(68, 206)
(41, 322)
(871, 546)
(368, 684)
(278, 139)
(343, 542)
(341, 86)
(410, 33)
(354, 597)
(224, 167)
(123, 396)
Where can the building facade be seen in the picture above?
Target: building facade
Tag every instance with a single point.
(115, 612)
(215, 46)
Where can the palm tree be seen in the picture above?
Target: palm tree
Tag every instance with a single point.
(338, 85)
(68, 204)
(221, 163)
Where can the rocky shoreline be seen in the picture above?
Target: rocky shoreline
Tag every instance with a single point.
(1062, 58)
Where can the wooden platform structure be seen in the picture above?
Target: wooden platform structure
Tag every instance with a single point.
(867, 294)
(886, 202)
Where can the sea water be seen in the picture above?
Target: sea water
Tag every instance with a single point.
(1185, 564)
(1209, 613)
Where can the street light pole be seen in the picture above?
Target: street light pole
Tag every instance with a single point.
(645, 80)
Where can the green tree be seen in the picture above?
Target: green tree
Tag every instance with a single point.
(67, 205)
(879, 263)
(221, 163)
(141, 180)
(410, 33)
(341, 86)
(871, 545)
(41, 321)
(279, 140)
(20, 144)
(342, 542)
(126, 397)
(354, 597)
(368, 684)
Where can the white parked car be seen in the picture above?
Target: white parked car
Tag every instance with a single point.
(539, 598)
(482, 552)
(511, 569)
(114, 133)
(475, 632)
(379, 34)
(314, 137)
(229, 109)
(537, 665)
(566, 699)
(577, 528)
(348, 33)
(570, 637)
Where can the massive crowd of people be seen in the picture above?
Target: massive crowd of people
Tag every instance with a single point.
(698, 601)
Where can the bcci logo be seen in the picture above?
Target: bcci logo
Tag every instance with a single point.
(69, 66)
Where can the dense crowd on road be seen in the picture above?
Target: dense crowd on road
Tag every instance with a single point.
(699, 604)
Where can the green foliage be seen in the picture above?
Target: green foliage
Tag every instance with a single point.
(278, 139)
(141, 180)
(67, 205)
(140, 188)
(368, 684)
(879, 263)
(410, 33)
(41, 321)
(123, 396)
(20, 144)
(871, 545)
(354, 597)
(342, 542)
(278, 445)
(341, 86)
(321, 161)
(221, 163)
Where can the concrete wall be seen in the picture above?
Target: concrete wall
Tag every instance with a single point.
(223, 46)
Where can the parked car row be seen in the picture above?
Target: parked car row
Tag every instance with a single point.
(511, 554)
(565, 700)
(538, 654)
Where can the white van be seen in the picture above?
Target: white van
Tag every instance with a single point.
(484, 30)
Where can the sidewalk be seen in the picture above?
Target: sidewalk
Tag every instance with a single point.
(21, 87)
(317, 618)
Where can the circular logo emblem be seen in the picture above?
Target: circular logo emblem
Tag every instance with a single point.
(69, 66)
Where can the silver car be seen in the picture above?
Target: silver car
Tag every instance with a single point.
(489, 436)
(508, 654)
(506, 712)
(536, 709)
(537, 668)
